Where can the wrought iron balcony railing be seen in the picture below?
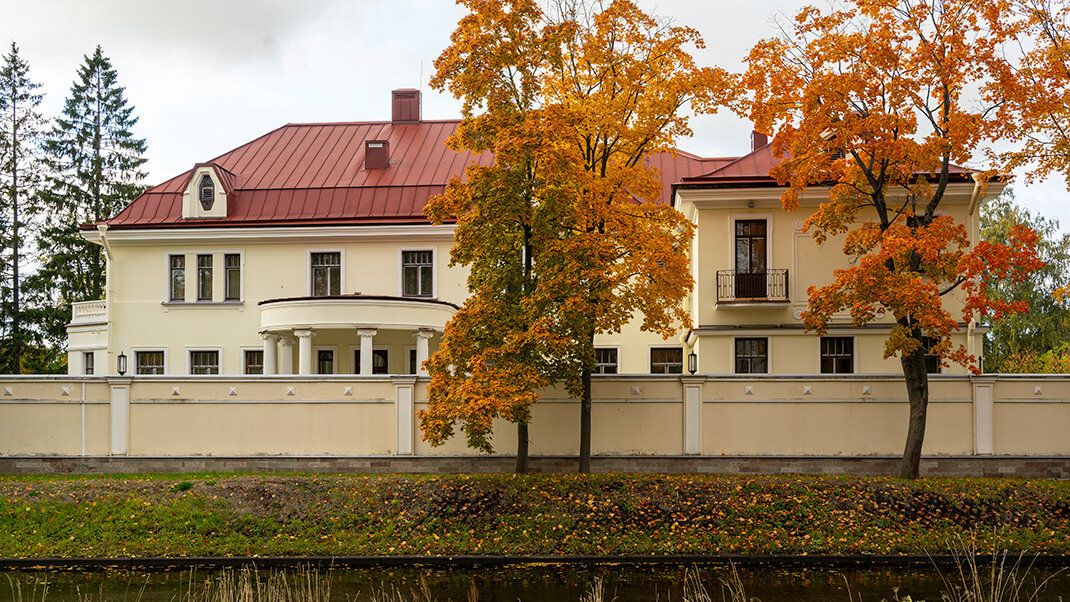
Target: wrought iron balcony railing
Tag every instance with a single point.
(770, 286)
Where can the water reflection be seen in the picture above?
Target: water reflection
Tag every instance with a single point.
(542, 583)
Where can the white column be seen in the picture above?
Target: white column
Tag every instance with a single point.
(692, 414)
(367, 335)
(423, 337)
(271, 349)
(982, 415)
(286, 355)
(120, 415)
(304, 351)
(404, 391)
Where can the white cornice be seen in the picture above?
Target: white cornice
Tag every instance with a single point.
(411, 232)
(766, 197)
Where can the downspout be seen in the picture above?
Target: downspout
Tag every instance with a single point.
(83, 418)
(972, 214)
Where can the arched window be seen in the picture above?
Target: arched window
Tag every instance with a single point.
(207, 191)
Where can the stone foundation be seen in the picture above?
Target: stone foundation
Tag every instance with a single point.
(1025, 467)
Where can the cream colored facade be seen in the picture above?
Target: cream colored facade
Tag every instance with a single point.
(720, 320)
(272, 310)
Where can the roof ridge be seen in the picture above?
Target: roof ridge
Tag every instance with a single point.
(371, 122)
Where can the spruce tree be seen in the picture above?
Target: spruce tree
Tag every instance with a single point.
(95, 165)
(21, 130)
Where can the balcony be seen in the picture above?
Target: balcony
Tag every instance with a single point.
(89, 312)
(355, 311)
(741, 288)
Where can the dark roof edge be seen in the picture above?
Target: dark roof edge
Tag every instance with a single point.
(359, 296)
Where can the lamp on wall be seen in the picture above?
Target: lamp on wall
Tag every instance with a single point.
(692, 362)
(120, 364)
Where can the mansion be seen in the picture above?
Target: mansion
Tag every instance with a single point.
(272, 308)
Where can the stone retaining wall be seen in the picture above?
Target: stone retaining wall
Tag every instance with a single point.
(961, 466)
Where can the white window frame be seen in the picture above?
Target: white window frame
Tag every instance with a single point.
(191, 259)
(650, 359)
(356, 369)
(167, 276)
(341, 267)
(408, 350)
(212, 277)
(854, 352)
(434, 269)
(241, 277)
(316, 354)
(620, 361)
(133, 358)
(768, 354)
(241, 358)
(737, 217)
(89, 353)
(189, 359)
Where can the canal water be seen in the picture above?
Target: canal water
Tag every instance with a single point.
(542, 583)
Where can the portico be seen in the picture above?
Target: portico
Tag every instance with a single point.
(358, 334)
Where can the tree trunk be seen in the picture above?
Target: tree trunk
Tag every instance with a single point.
(585, 421)
(917, 381)
(521, 447)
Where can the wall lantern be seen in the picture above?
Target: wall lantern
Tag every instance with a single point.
(120, 364)
(692, 362)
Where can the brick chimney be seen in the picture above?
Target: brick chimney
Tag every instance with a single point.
(757, 140)
(376, 154)
(405, 106)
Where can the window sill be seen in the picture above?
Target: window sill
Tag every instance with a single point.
(203, 303)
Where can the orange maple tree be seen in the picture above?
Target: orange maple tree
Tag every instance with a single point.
(564, 234)
(877, 102)
(1037, 87)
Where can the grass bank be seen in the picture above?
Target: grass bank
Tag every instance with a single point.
(277, 515)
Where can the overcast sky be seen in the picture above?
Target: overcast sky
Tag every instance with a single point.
(208, 75)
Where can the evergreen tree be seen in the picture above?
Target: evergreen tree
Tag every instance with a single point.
(95, 169)
(21, 130)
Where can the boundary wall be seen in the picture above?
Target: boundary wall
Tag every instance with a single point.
(729, 420)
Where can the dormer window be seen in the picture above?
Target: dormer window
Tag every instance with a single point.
(206, 189)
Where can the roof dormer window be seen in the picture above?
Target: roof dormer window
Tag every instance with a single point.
(206, 189)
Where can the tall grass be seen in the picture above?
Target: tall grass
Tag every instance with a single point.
(1005, 579)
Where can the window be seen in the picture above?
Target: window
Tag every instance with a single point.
(412, 361)
(232, 270)
(379, 361)
(87, 362)
(667, 360)
(206, 190)
(254, 361)
(417, 273)
(326, 274)
(932, 361)
(752, 356)
(325, 361)
(837, 355)
(605, 360)
(149, 362)
(204, 362)
(750, 258)
(204, 277)
(177, 286)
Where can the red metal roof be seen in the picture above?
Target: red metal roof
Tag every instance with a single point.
(313, 174)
